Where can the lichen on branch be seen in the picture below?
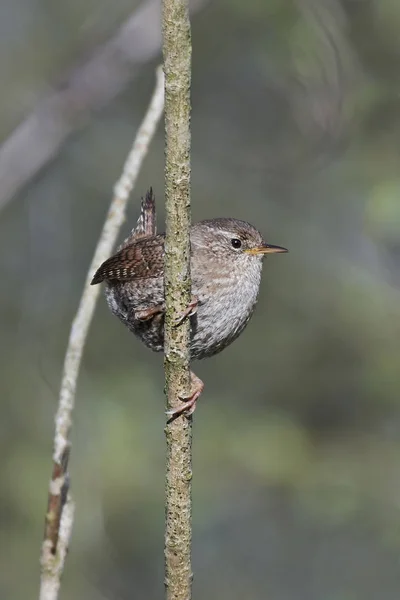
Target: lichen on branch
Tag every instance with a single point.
(177, 70)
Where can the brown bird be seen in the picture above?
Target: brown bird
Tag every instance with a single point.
(226, 264)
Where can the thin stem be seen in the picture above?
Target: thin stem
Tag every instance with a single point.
(59, 516)
(177, 69)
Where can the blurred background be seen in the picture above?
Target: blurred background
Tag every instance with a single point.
(296, 128)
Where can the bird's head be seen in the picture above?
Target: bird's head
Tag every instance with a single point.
(232, 241)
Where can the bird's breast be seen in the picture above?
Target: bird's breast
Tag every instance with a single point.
(225, 307)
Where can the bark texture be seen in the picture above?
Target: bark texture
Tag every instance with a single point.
(177, 69)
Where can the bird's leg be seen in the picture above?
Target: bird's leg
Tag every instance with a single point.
(147, 313)
(189, 402)
(190, 310)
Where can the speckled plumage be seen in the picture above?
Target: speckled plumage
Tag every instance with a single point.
(225, 281)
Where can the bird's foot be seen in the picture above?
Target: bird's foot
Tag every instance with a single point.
(147, 313)
(189, 311)
(189, 402)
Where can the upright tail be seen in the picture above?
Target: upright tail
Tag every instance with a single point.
(146, 223)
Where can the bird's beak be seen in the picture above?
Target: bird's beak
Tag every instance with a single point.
(266, 249)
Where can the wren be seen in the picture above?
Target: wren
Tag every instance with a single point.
(226, 263)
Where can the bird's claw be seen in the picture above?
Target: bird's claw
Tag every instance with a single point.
(189, 402)
(148, 313)
(189, 311)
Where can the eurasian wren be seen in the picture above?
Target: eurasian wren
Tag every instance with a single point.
(226, 263)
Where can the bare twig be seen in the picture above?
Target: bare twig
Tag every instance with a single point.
(90, 86)
(60, 508)
(177, 68)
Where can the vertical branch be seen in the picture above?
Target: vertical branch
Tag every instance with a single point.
(59, 516)
(177, 69)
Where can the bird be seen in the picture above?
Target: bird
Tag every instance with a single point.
(226, 260)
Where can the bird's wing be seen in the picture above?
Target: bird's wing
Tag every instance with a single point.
(142, 259)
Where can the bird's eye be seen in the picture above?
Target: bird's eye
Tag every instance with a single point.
(236, 243)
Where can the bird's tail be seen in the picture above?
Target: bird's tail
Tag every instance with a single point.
(146, 223)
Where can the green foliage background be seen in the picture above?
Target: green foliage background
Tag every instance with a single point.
(296, 125)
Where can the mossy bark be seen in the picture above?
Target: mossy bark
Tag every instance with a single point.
(177, 69)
